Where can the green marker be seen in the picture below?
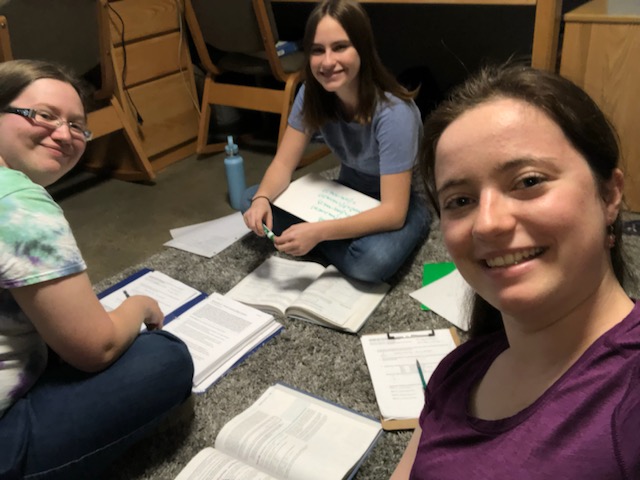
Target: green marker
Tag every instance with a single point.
(270, 235)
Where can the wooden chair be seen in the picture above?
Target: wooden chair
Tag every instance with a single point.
(245, 34)
(106, 155)
(148, 77)
(5, 40)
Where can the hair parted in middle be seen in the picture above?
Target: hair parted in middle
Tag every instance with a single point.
(373, 79)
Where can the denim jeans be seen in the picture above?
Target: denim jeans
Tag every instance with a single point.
(372, 258)
(72, 424)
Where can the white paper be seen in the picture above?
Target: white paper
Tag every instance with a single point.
(210, 464)
(275, 284)
(314, 199)
(294, 435)
(393, 369)
(217, 330)
(448, 297)
(170, 293)
(209, 238)
(218, 373)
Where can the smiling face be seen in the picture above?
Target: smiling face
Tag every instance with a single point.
(334, 61)
(521, 213)
(41, 153)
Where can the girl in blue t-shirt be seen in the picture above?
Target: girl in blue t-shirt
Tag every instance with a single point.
(373, 126)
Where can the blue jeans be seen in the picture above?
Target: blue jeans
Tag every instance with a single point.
(372, 258)
(72, 424)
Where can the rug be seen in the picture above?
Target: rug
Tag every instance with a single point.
(325, 362)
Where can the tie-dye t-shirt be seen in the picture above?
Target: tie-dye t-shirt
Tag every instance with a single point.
(36, 245)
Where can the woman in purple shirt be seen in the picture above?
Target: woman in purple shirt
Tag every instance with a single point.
(522, 167)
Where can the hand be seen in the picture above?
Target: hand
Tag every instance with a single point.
(258, 213)
(298, 239)
(153, 316)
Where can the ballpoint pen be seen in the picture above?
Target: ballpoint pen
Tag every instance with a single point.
(424, 384)
(270, 235)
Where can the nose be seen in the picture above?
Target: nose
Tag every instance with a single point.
(62, 133)
(493, 216)
(328, 60)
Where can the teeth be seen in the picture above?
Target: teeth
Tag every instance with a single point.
(513, 258)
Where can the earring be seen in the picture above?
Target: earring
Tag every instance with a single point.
(611, 236)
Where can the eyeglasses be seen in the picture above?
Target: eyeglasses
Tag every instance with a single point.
(53, 121)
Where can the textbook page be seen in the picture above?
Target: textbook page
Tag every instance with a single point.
(216, 329)
(170, 293)
(293, 435)
(335, 300)
(391, 359)
(210, 464)
(313, 199)
(245, 349)
(275, 284)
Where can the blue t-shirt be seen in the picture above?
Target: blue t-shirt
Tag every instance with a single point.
(387, 145)
(36, 245)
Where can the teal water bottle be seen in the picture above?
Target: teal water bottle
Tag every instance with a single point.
(234, 168)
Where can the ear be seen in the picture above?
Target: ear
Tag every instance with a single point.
(613, 192)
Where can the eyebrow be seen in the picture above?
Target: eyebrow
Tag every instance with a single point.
(346, 41)
(53, 109)
(502, 168)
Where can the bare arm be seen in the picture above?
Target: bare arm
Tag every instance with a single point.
(403, 469)
(276, 179)
(75, 325)
(395, 191)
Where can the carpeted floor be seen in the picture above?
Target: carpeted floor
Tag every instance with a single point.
(322, 361)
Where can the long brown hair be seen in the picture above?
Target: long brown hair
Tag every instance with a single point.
(581, 120)
(374, 79)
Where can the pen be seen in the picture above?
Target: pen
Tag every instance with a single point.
(270, 235)
(424, 384)
(126, 294)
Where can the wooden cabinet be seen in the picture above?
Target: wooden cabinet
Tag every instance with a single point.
(601, 53)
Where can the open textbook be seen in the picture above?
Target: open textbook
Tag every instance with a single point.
(173, 296)
(391, 358)
(287, 434)
(220, 333)
(313, 199)
(310, 292)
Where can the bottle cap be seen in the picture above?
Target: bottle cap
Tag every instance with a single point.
(231, 148)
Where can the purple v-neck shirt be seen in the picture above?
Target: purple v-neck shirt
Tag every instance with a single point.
(586, 426)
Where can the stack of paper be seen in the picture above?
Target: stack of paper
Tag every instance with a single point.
(209, 238)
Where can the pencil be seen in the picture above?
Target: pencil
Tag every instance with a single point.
(424, 384)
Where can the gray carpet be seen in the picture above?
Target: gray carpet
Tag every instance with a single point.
(322, 361)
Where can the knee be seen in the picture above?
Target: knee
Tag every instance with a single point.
(165, 358)
(368, 266)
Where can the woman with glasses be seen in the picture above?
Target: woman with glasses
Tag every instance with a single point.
(78, 385)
